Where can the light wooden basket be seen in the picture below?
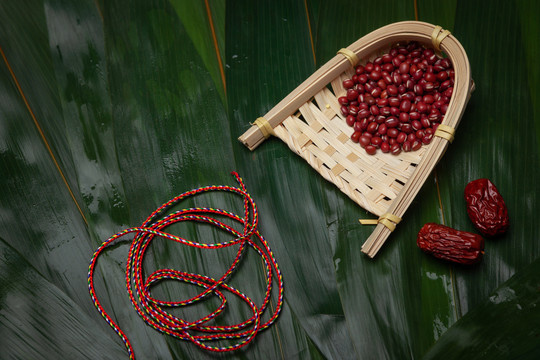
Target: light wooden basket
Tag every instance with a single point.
(310, 122)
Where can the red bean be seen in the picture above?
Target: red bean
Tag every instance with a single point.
(446, 63)
(359, 70)
(388, 67)
(353, 110)
(434, 115)
(428, 99)
(342, 100)
(363, 113)
(382, 129)
(429, 86)
(445, 85)
(431, 59)
(380, 119)
(385, 147)
(356, 136)
(392, 132)
(442, 76)
(382, 102)
(408, 96)
(371, 150)
(364, 140)
(406, 146)
(348, 83)
(368, 67)
(376, 141)
(401, 137)
(427, 139)
(406, 128)
(395, 149)
(404, 68)
(430, 77)
(412, 69)
(444, 108)
(392, 90)
(437, 67)
(391, 122)
(416, 125)
(448, 92)
(385, 111)
(414, 115)
(350, 120)
(416, 53)
(418, 74)
(416, 144)
(376, 92)
(344, 110)
(403, 117)
(396, 78)
(372, 127)
(362, 78)
(369, 99)
(394, 101)
(352, 94)
(405, 106)
(375, 75)
(363, 123)
(422, 107)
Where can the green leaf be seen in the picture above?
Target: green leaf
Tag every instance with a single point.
(503, 326)
(110, 108)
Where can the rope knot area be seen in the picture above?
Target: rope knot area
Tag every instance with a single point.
(265, 127)
(387, 219)
(217, 329)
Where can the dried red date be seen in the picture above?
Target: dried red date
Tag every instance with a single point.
(446, 243)
(486, 207)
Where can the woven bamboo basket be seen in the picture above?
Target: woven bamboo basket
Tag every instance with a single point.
(310, 122)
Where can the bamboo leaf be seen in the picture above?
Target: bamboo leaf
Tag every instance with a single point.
(110, 108)
(503, 326)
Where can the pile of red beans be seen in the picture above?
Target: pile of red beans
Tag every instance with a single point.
(396, 102)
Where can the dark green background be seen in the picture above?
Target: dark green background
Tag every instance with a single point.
(130, 99)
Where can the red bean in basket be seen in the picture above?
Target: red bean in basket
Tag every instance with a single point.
(450, 244)
(486, 207)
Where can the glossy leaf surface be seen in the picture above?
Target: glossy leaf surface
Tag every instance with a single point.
(110, 108)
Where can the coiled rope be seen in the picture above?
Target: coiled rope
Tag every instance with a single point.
(152, 310)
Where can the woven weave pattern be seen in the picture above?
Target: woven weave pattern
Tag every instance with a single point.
(383, 184)
(319, 134)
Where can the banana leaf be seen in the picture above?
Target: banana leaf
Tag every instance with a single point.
(110, 108)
